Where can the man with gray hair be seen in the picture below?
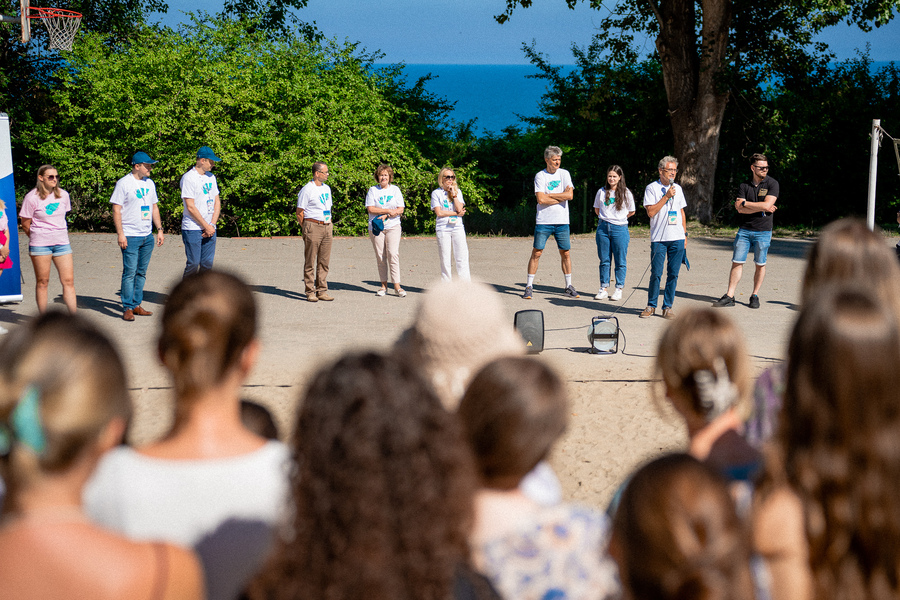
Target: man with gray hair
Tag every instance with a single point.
(665, 204)
(553, 189)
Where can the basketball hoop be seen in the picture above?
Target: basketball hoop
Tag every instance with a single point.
(61, 24)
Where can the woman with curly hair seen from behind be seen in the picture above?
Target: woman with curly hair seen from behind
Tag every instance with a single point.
(382, 491)
(676, 535)
(827, 519)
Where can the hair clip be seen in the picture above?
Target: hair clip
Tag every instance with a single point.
(25, 421)
(716, 390)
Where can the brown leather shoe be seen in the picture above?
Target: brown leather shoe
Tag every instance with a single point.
(325, 297)
(129, 315)
(668, 313)
(139, 311)
(648, 312)
(311, 298)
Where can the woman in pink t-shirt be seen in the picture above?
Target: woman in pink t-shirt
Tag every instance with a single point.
(43, 216)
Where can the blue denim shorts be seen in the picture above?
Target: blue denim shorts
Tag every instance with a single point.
(57, 250)
(758, 240)
(559, 232)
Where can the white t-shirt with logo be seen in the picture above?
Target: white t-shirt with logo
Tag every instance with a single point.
(667, 225)
(553, 214)
(390, 198)
(203, 189)
(607, 205)
(136, 197)
(439, 198)
(315, 201)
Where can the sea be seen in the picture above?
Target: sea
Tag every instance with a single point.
(497, 96)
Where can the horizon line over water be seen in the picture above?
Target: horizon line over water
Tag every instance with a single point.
(493, 94)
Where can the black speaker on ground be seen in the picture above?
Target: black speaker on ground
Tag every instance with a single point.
(530, 325)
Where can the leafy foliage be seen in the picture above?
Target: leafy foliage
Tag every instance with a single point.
(268, 106)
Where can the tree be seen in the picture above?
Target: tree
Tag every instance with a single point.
(268, 105)
(708, 49)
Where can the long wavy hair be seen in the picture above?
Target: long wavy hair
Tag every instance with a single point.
(381, 493)
(838, 444)
(621, 189)
(676, 535)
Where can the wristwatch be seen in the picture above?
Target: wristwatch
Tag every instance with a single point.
(744, 204)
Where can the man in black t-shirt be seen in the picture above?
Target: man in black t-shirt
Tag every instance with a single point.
(756, 204)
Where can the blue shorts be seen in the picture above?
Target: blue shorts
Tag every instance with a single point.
(745, 239)
(559, 232)
(57, 250)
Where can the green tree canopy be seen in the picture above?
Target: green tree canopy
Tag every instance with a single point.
(709, 49)
(268, 105)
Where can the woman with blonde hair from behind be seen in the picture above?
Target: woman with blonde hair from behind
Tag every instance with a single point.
(704, 369)
(677, 536)
(63, 404)
(827, 517)
(210, 483)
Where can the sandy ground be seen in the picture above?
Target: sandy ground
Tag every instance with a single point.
(615, 423)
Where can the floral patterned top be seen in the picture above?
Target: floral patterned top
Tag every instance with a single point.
(560, 554)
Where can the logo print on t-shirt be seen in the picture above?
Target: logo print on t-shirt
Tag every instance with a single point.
(141, 192)
(323, 198)
(51, 208)
(207, 187)
(552, 185)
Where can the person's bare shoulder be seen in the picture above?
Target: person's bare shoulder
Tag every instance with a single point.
(779, 537)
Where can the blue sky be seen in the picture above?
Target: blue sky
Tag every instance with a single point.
(464, 31)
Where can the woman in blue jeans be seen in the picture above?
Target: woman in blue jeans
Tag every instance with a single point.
(614, 205)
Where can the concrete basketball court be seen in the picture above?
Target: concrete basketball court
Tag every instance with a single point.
(615, 422)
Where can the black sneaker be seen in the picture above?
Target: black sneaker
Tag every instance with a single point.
(754, 301)
(725, 300)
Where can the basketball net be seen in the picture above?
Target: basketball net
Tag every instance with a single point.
(61, 24)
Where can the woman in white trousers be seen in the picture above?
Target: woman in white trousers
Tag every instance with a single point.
(449, 208)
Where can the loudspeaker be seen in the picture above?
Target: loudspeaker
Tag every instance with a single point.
(603, 335)
(530, 325)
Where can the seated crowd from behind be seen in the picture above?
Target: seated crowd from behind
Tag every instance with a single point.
(422, 472)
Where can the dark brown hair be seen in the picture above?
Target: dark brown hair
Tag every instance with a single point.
(755, 158)
(382, 490)
(512, 413)
(621, 189)
(208, 321)
(78, 378)
(839, 441)
(676, 535)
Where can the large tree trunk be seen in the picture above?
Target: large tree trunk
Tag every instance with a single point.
(696, 96)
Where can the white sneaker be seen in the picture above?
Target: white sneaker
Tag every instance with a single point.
(3, 330)
(617, 295)
(601, 295)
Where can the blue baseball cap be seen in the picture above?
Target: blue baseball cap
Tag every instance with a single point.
(206, 152)
(142, 157)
